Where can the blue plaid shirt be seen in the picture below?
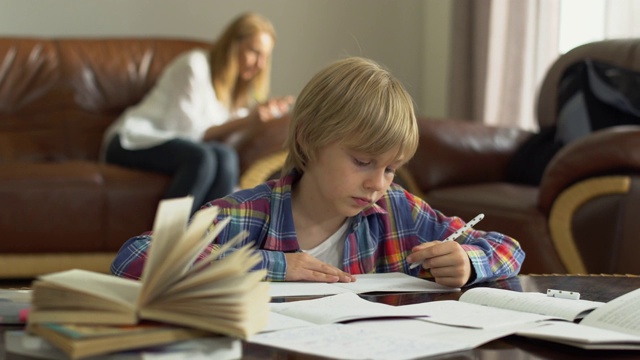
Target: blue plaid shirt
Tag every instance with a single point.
(378, 240)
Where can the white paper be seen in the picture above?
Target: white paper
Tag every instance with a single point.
(340, 307)
(279, 321)
(472, 338)
(379, 282)
(456, 313)
(340, 341)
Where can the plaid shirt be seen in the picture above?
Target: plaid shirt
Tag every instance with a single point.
(378, 240)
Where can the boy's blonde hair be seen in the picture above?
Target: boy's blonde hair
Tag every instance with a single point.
(354, 102)
(224, 63)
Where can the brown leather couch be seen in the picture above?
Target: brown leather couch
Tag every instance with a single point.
(582, 218)
(60, 207)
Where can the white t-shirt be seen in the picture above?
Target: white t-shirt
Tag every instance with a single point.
(183, 104)
(331, 250)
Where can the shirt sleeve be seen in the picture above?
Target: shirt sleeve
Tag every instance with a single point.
(131, 257)
(492, 255)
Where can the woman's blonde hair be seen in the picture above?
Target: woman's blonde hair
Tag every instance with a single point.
(224, 63)
(355, 102)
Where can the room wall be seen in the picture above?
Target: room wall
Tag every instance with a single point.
(410, 37)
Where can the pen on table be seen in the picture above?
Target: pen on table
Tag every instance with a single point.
(456, 234)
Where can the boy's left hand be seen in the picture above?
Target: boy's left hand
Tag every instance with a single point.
(448, 262)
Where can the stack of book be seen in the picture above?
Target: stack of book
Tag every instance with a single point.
(84, 313)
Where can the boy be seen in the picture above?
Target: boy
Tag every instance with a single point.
(335, 211)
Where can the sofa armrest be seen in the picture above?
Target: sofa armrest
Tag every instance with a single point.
(453, 152)
(611, 151)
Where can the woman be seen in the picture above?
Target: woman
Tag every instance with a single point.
(201, 98)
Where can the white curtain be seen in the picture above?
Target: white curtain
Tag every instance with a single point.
(522, 44)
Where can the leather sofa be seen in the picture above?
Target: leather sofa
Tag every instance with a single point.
(60, 206)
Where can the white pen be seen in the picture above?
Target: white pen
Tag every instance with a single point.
(456, 234)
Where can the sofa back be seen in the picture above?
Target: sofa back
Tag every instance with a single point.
(57, 96)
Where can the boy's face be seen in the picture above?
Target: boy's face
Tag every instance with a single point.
(346, 182)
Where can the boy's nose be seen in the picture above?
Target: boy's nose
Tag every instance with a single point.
(377, 181)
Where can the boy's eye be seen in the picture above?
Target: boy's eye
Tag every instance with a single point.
(361, 162)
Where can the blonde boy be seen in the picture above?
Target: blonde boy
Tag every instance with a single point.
(336, 212)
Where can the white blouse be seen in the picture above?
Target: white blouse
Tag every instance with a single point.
(183, 104)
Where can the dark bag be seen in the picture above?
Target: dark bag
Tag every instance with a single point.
(591, 96)
(595, 95)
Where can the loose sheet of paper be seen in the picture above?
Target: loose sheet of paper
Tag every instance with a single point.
(340, 341)
(437, 332)
(382, 282)
(456, 313)
(340, 307)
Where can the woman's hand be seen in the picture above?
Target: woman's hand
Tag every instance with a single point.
(448, 262)
(274, 108)
(304, 267)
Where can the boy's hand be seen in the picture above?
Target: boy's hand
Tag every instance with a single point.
(304, 267)
(447, 261)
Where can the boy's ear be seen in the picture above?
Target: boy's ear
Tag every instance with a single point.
(302, 147)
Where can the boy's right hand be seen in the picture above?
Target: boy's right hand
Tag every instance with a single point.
(304, 267)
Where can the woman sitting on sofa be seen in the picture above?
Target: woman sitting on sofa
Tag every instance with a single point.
(201, 98)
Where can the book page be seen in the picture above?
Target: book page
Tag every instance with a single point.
(169, 226)
(620, 314)
(237, 264)
(532, 302)
(117, 290)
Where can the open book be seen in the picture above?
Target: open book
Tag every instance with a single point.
(614, 325)
(530, 302)
(489, 308)
(220, 295)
